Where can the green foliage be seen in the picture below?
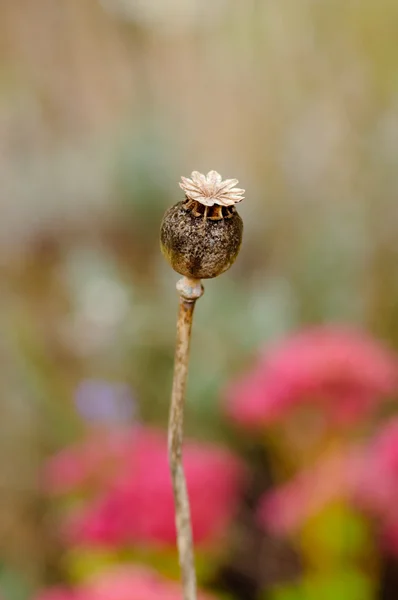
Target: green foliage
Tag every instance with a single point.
(13, 585)
(336, 535)
(344, 584)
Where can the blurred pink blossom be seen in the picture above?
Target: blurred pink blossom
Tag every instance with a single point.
(122, 583)
(376, 486)
(334, 477)
(366, 476)
(135, 502)
(88, 463)
(346, 370)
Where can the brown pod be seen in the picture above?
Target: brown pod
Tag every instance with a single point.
(201, 236)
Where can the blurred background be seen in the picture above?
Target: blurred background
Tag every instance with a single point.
(292, 446)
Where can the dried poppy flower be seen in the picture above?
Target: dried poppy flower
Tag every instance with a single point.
(201, 236)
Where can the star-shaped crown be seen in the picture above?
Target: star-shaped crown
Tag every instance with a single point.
(210, 189)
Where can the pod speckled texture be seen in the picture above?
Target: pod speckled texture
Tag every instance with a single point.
(198, 247)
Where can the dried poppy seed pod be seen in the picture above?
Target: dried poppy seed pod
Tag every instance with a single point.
(201, 236)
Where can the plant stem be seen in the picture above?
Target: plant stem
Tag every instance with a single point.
(189, 290)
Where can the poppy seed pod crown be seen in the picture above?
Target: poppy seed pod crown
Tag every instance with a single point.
(201, 236)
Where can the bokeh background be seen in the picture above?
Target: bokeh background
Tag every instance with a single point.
(103, 106)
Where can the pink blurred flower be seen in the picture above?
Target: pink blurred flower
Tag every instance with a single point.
(334, 477)
(88, 463)
(135, 503)
(366, 476)
(122, 583)
(376, 488)
(344, 369)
